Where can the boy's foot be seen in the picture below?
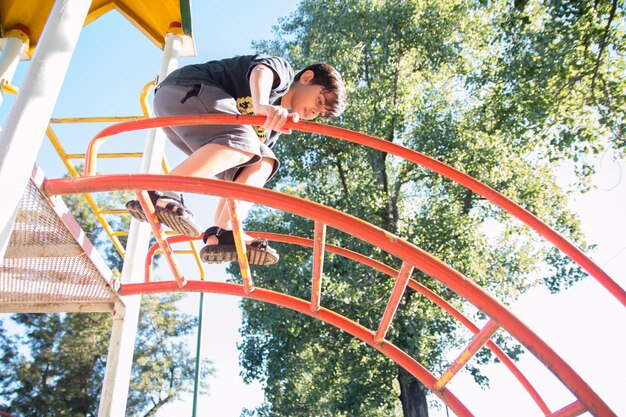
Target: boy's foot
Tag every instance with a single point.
(221, 248)
(170, 211)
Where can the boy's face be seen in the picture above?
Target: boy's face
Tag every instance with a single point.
(308, 100)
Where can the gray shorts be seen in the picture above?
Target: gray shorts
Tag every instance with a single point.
(171, 100)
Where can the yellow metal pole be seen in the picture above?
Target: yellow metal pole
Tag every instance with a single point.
(54, 140)
(240, 244)
(103, 119)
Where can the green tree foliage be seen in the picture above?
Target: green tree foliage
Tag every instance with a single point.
(555, 78)
(502, 91)
(56, 366)
(62, 372)
(80, 209)
(163, 367)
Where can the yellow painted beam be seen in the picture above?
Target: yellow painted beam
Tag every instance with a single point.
(153, 18)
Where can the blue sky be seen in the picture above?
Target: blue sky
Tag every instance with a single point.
(111, 64)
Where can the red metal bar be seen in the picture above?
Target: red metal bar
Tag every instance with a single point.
(382, 145)
(240, 244)
(372, 263)
(394, 301)
(296, 240)
(572, 410)
(394, 245)
(468, 353)
(357, 257)
(500, 354)
(157, 230)
(327, 316)
(150, 255)
(319, 240)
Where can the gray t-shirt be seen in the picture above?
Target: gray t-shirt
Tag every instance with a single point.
(232, 75)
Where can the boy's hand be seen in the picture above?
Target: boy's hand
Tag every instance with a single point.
(276, 117)
(261, 81)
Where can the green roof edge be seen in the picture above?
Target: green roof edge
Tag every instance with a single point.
(185, 15)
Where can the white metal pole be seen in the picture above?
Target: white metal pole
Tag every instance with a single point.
(155, 141)
(121, 347)
(26, 124)
(13, 50)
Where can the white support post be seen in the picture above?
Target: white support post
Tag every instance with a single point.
(26, 124)
(11, 53)
(121, 347)
(14, 48)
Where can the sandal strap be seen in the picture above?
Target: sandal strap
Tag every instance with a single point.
(224, 237)
(211, 231)
(177, 208)
(156, 195)
(259, 243)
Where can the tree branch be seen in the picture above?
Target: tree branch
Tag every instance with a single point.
(602, 46)
(394, 201)
(342, 176)
(468, 200)
(615, 129)
(157, 406)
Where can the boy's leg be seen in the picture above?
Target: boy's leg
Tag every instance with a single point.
(255, 175)
(211, 149)
(210, 160)
(204, 163)
(220, 242)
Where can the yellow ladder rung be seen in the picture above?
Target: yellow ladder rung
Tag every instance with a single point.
(102, 119)
(113, 211)
(181, 251)
(106, 155)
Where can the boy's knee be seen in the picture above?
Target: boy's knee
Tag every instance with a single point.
(233, 155)
(262, 166)
(245, 156)
(267, 165)
(257, 174)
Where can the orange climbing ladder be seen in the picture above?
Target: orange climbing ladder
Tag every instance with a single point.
(500, 317)
(49, 266)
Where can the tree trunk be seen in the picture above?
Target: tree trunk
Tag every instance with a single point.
(412, 396)
(162, 401)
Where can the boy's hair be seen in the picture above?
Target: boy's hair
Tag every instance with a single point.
(331, 81)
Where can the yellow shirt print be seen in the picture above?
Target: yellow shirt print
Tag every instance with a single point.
(244, 105)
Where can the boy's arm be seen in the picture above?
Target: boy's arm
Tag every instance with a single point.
(261, 81)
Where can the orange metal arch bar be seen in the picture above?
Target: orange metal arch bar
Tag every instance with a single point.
(304, 307)
(372, 234)
(385, 269)
(380, 144)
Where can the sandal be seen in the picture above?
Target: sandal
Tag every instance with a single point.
(174, 214)
(258, 251)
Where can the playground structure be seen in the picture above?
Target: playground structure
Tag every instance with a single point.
(26, 274)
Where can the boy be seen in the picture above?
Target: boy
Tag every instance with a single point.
(254, 84)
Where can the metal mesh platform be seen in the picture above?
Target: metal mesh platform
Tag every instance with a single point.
(49, 265)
